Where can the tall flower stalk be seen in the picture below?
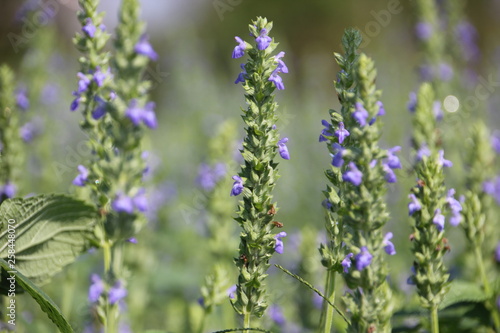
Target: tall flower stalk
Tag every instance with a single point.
(113, 102)
(355, 200)
(258, 175)
(477, 212)
(11, 149)
(429, 202)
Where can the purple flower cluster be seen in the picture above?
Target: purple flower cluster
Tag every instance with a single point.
(263, 40)
(126, 204)
(83, 174)
(455, 208)
(31, 129)
(346, 262)
(390, 163)
(144, 114)
(360, 114)
(90, 29)
(492, 187)
(388, 245)
(116, 293)
(22, 100)
(363, 259)
(280, 68)
(438, 219)
(8, 190)
(414, 205)
(237, 186)
(209, 176)
(143, 47)
(278, 247)
(85, 80)
(353, 176)
(283, 149)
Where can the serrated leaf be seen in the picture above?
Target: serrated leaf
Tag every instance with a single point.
(463, 291)
(50, 232)
(46, 304)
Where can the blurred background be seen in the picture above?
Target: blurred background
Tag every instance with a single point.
(194, 92)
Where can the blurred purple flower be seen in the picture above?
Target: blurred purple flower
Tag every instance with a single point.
(353, 176)
(283, 149)
(276, 315)
(8, 190)
(96, 288)
(31, 129)
(363, 259)
(50, 94)
(495, 142)
(423, 30)
(445, 72)
(325, 131)
(278, 247)
(140, 200)
(83, 83)
(497, 253)
(466, 34)
(208, 177)
(100, 109)
(132, 240)
(346, 262)
(22, 100)
(388, 245)
(360, 114)
(263, 40)
(242, 76)
(146, 114)
(82, 176)
(442, 161)
(392, 160)
(237, 186)
(239, 50)
(117, 292)
(89, 28)
(423, 151)
(123, 204)
(438, 219)
(412, 103)
(414, 205)
(341, 133)
(76, 101)
(143, 47)
(231, 291)
(455, 207)
(437, 110)
(390, 176)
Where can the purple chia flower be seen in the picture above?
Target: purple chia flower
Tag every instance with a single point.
(100, 109)
(30, 130)
(263, 40)
(208, 177)
(237, 186)
(337, 160)
(140, 200)
(9, 190)
(82, 176)
(453, 203)
(467, 35)
(346, 262)
(390, 176)
(96, 288)
(412, 103)
(239, 50)
(388, 245)
(360, 114)
(437, 110)
(117, 292)
(83, 83)
(76, 101)
(99, 77)
(363, 259)
(281, 68)
(50, 94)
(143, 47)
(277, 80)
(325, 132)
(495, 142)
(242, 76)
(426, 73)
(22, 100)
(353, 176)
(132, 240)
(327, 204)
(392, 160)
(423, 30)
(231, 291)
(423, 151)
(276, 315)
(341, 133)
(445, 72)
(438, 219)
(414, 205)
(146, 115)
(381, 112)
(283, 149)
(89, 28)
(443, 162)
(278, 247)
(123, 204)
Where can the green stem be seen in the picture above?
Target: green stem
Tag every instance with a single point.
(487, 288)
(246, 320)
(434, 320)
(330, 295)
(202, 322)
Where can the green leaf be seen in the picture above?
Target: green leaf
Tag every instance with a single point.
(50, 232)
(46, 304)
(463, 291)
